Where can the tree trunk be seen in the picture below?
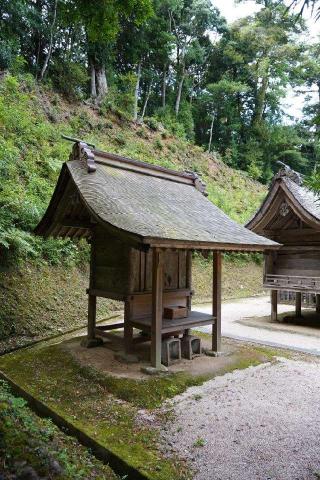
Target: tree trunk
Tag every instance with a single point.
(260, 102)
(178, 99)
(136, 93)
(211, 132)
(146, 100)
(164, 86)
(191, 93)
(48, 56)
(102, 85)
(93, 86)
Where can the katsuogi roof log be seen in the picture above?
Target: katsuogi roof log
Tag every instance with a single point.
(147, 204)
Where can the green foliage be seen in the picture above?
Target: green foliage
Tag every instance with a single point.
(70, 78)
(28, 441)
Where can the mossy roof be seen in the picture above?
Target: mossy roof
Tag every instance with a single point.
(153, 205)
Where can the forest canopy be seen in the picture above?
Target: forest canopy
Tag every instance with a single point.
(179, 62)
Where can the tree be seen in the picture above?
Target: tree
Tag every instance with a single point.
(102, 20)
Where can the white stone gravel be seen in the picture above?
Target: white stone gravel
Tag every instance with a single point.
(257, 424)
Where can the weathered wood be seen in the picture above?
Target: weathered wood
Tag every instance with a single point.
(106, 294)
(157, 290)
(318, 303)
(92, 307)
(194, 320)
(110, 326)
(298, 304)
(274, 305)
(216, 301)
(92, 299)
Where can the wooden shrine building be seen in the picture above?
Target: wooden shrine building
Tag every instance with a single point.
(290, 215)
(143, 222)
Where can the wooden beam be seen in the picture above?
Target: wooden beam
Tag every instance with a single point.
(216, 301)
(298, 304)
(317, 303)
(274, 305)
(157, 292)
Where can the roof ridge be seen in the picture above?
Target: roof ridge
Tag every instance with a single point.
(81, 151)
(286, 171)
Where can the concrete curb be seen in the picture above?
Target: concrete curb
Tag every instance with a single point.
(118, 465)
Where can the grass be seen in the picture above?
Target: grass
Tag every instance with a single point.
(106, 407)
(200, 442)
(30, 442)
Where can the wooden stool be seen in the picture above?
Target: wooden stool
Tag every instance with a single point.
(190, 346)
(170, 350)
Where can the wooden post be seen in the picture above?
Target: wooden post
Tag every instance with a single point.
(298, 304)
(318, 303)
(127, 327)
(189, 277)
(274, 305)
(216, 301)
(156, 321)
(91, 340)
(92, 308)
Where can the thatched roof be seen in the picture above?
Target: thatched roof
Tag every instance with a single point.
(287, 186)
(148, 204)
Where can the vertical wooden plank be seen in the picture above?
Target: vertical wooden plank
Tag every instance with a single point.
(189, 276)
(298, 304)
(156, 321)
(142, 271)
(216, 301)
(274, 305)
(318, 303)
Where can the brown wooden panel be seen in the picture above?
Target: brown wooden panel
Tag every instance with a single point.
(141, 305)
(171, 269)
(111, 263)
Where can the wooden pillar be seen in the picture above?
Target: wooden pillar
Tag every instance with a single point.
(189, 276)
(298, 304)
(318, 303)
(216, 301)
(127, 327)
(274, 305)
(156, 321)
(92, 308)
(92, 340)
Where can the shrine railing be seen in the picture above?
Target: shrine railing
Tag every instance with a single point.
(291, 282)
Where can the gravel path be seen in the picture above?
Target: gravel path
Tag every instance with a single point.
(233, 311)
(255, 424)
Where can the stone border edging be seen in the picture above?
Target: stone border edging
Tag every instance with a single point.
(120, 466)
(32, 343)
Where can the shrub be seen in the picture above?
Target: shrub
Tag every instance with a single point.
(69, 78)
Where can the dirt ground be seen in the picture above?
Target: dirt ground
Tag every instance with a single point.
(105, 360)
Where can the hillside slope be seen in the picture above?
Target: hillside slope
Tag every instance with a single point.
(45, 295)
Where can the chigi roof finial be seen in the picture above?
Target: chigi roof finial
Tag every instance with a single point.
(286, 171)
(81, 151)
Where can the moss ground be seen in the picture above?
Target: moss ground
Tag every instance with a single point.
(29, 442)
(106, 407)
